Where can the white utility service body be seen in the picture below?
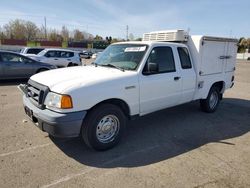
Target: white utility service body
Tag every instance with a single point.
(196, 67)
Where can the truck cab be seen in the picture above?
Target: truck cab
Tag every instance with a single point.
(129, 79)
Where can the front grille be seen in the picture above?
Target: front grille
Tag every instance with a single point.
(36, 93)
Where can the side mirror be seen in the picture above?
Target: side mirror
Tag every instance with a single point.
(153, 68)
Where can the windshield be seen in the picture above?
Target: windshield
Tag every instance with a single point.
(123, 56)
(42, 53)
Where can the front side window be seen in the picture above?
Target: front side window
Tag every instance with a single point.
(124, 56)
(51, 54)
(163, 58)
(8, 57)
(184, 58)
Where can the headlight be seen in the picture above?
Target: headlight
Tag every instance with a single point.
(54, 100)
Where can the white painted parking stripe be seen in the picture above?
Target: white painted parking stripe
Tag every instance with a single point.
(89, 169)
(25, 149)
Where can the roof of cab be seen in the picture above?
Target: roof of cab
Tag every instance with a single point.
(151, 43)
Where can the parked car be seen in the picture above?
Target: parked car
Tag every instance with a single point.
(14, 65)
(86, 55)
(95, 55)
(131, 79)
(31, 50)
(58, 57)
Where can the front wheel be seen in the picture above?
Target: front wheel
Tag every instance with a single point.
(103, 127)
(212, 101)
(70, 65)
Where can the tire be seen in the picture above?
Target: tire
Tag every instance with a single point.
(103, 127)
(212, 101)
(42, 70)
(70, 65)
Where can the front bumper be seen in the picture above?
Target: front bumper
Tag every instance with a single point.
(54, 123)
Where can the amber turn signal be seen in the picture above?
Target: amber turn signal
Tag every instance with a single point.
(66, 102)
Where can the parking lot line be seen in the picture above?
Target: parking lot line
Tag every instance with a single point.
(26, 149)
(89, 169)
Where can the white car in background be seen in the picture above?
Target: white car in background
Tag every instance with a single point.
(58, 57)
(95, 55)
(31, 50)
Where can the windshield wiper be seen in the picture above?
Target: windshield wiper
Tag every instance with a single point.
(111, 65)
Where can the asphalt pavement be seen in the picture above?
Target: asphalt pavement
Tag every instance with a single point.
(176, 147)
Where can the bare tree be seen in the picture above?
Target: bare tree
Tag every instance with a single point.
(54, 35)
(2, 36)
(131, 36)
(27, 30)
(78, 35)
(248, 43)
(243, 43)
(31, 30)
(41, 33)
(97, 37)
(65, 33)
(15, 29)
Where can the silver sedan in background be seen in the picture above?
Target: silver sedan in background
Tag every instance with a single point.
(14, 65)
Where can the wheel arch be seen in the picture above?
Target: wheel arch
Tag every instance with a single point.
(220, 85)
(118, 102)
(42, 68)
(70, 64)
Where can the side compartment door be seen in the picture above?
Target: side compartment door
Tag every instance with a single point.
(231, 56)
(213, 57)
(162, 88)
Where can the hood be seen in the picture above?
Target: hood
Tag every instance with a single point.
(31, 55)
(34, 56)
(64, 79)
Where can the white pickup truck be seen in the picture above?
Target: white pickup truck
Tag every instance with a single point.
(130, 79)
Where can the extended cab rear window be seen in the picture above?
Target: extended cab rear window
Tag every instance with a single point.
(184, 58)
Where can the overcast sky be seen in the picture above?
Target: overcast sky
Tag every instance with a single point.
(110, 17)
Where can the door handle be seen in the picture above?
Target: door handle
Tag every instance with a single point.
(177, 78)
(55, 59)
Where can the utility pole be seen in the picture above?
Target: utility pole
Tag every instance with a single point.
(127, 32)
(45, 28)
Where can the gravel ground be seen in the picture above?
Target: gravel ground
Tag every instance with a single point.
(176, 147)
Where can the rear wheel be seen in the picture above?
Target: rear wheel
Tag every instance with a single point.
(212, 101)
(103, 127)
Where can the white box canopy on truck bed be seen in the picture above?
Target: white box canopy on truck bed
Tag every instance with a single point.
(213, 55)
